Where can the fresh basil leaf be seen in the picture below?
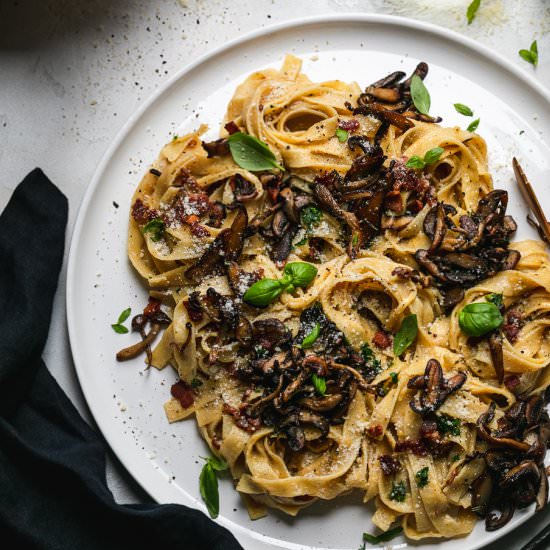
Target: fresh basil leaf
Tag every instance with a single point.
(463, 109)
(250, 153)
(263, 292)
(156, 228)
(422, 477)
(310, 216)
(341, 134)
(495, 299)
(208, 485)
(382, 537)
(120, 329)
(124, 315)
(420, 95)
(480, 318)
(319, 383)
(472, 10)
(531, 55)
(473, 126)
(299, 273)
(406, 334)
(416, 162)
(433, 155)
(217, 463)
(311, 337)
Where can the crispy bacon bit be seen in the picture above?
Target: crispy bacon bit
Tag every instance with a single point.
(244, 422)
(512, 325)
(375, 431)
(404, 273)
(193, 307)
(512, 381)
(389, 465)
(382, 340)
(401, 178)
(231, 127)
(350, 125)
(394, 202)
(183, 392)
(142, 213)
(217, 148)
(414, 445)
(199, 230)
(152, 307)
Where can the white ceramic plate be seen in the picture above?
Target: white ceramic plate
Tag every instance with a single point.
(125, 400)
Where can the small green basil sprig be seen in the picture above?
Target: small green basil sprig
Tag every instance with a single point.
(118, 327)
(264, 291)
(208, 484)
(429, 158)
(319, 383)
(311, 337)
(420, 95)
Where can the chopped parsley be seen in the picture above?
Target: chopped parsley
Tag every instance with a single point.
(372, 364)
(196, 382)
(455, 458)
(422, 477)
(495, 299)
(398, 492)
(448, 425)
(310, 216)
(156, 228)
(394, 377)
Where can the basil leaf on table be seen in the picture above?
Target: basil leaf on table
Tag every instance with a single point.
(473, 125)
(319, 383)
(463, 109)
(531, 55)
(480, 318)
(406, 334)
(251, 154)
(472, 10)
(208, 484)
(311, 337)
(263, 292)
(118, 327)
(420, 95)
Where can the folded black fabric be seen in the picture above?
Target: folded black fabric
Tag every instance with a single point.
(53, 491)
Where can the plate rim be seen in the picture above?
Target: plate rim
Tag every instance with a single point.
(455, 37)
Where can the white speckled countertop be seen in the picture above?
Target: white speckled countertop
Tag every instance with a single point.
(72, 72)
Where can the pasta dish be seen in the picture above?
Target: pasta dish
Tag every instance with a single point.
(335, 282)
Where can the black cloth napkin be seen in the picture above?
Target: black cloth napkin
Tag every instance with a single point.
(53, 491)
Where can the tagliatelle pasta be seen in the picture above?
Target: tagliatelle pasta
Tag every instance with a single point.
(298, 387)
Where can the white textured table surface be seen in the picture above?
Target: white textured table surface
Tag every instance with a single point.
(72, 72)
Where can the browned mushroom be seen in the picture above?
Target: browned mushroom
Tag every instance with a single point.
(321, 404)
(270, 333)
(434, 389)
(526, 470)
(499, 515)
(217, 148)
(495, 347)
(135, 350)
(485, 433)
(481, 493)
(243, 190)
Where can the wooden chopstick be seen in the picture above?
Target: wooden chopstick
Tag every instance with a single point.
(543, 225)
